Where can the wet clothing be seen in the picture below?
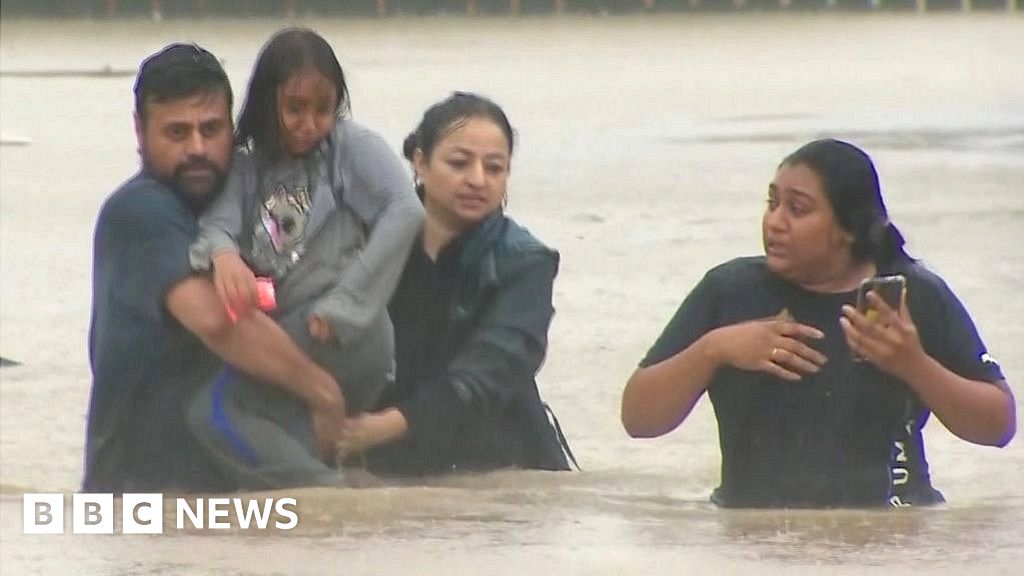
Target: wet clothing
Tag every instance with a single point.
(261, 434)
(470, 334)
(145, 365)
(849, 435)
(333, 230)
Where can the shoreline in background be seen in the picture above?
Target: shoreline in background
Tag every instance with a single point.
(158, 10)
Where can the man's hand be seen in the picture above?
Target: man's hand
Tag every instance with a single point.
(258, 346)
(328, 424)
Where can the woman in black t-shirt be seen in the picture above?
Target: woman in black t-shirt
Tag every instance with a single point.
(817, 404)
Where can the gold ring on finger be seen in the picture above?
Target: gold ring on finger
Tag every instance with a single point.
(774, 352)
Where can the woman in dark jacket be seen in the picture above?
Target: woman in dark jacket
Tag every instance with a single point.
(471, 313)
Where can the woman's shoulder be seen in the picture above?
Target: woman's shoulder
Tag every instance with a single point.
(921, 279)
(515, 248)
(517, 239)
(510, 247)
(742, 271)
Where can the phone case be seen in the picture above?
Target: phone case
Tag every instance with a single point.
(890, 288)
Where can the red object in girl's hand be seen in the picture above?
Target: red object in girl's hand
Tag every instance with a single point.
(266, 297)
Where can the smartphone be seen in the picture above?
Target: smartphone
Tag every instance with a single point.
(890, 288)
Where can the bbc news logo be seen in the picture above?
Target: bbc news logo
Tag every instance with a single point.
(144, 513)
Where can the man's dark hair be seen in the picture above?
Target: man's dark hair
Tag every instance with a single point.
(177, 71)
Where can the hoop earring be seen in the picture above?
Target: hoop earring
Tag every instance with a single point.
(418, 187)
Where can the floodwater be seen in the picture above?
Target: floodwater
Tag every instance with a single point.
(646, 146)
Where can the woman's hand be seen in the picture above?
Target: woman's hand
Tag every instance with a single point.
(319, 329)
(235, 282)
(889, 340)
(771, 345)
(370, 429)
(659, 397)
(975, 410)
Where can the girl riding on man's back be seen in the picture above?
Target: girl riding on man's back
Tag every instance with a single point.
(323, 207)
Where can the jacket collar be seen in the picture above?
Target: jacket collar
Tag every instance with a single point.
(471, 255)
(480, 239)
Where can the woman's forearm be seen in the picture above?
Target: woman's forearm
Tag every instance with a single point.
(659, 397)
(367, 431)
(979, 412)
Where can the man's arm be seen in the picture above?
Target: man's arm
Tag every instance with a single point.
(255, 344)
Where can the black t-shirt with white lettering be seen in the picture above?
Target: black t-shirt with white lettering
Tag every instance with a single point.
(849, 435)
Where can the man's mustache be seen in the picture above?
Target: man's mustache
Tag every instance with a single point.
(196, 163)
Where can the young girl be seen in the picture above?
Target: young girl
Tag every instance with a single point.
(322, 206)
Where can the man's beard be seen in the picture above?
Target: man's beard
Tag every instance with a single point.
(197, 195)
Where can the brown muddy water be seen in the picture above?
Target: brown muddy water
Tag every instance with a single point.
(646, 147)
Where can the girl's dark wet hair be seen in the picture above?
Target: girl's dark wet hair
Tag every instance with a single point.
(449, 115)
(287, 52)
(851, 184)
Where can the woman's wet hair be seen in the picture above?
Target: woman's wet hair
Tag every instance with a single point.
(287, 52)
(851, 185)
(449, 115)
